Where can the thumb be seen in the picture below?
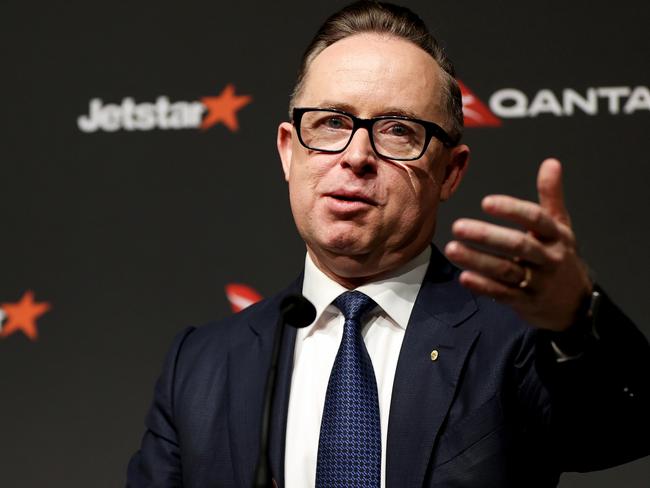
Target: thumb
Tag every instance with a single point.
(549, 189)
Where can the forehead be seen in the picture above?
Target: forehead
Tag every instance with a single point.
(375, 74)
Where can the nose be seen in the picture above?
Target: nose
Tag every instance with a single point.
(359, 155)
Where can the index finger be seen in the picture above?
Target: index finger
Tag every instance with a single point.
(529, 215)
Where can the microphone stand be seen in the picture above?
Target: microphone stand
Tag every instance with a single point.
(298, 312)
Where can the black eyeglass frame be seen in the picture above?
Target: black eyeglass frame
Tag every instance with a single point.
(431, 130)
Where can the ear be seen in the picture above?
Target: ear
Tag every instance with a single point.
(457, 163)
(285, 147)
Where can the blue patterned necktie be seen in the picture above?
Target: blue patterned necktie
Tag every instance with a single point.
(349, 448)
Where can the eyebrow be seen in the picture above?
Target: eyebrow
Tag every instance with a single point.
(387, 111)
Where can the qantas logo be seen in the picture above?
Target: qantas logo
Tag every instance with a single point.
(241, 296)
(21, 316)
(164, 114)
(511, 103)
(475, 112)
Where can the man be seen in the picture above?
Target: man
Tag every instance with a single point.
(443, 386)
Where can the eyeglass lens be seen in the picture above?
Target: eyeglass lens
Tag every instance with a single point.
(393, 138)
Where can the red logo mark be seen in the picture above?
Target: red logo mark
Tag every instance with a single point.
(22, 316)
(223, 108)
(475, 112)
(241, 296)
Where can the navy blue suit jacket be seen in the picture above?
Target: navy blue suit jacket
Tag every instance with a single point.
(494, 410)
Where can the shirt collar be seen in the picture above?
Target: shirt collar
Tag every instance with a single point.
(395, 294)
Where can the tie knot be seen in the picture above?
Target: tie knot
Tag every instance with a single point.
(354, 304)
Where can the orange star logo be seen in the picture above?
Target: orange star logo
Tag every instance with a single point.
(22, 316)
(223, 108)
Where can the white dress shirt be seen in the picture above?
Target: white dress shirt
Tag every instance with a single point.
(316, 348)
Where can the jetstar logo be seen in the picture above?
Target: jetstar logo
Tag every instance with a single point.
(21, 316)
(511, 103)
(164, 114)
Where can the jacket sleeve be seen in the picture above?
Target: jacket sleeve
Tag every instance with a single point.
(599, 402)
(158, 463)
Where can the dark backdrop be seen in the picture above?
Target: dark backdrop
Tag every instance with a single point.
(130, 235)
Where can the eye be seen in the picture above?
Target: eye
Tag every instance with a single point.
(335, 122)
(397, 129)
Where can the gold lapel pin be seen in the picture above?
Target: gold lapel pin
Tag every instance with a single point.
(434, 355)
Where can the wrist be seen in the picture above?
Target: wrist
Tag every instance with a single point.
(573, 341)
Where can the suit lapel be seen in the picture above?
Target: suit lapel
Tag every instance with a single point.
(247, 367)
(424, 388)
(248, 364)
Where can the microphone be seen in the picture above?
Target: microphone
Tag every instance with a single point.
(298, 312)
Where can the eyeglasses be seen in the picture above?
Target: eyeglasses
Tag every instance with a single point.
(391, 136)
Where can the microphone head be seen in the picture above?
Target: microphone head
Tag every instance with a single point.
(297, 311)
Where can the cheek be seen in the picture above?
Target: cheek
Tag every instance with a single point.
(300, 184)
(413, 197)
(304, 186)
(407, 185)
(309, 171)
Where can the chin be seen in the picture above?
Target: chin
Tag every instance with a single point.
(337, 237)
(344, 244)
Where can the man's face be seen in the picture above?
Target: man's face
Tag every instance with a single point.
(360, 215)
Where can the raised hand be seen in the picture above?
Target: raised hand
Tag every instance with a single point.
(537, 270)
